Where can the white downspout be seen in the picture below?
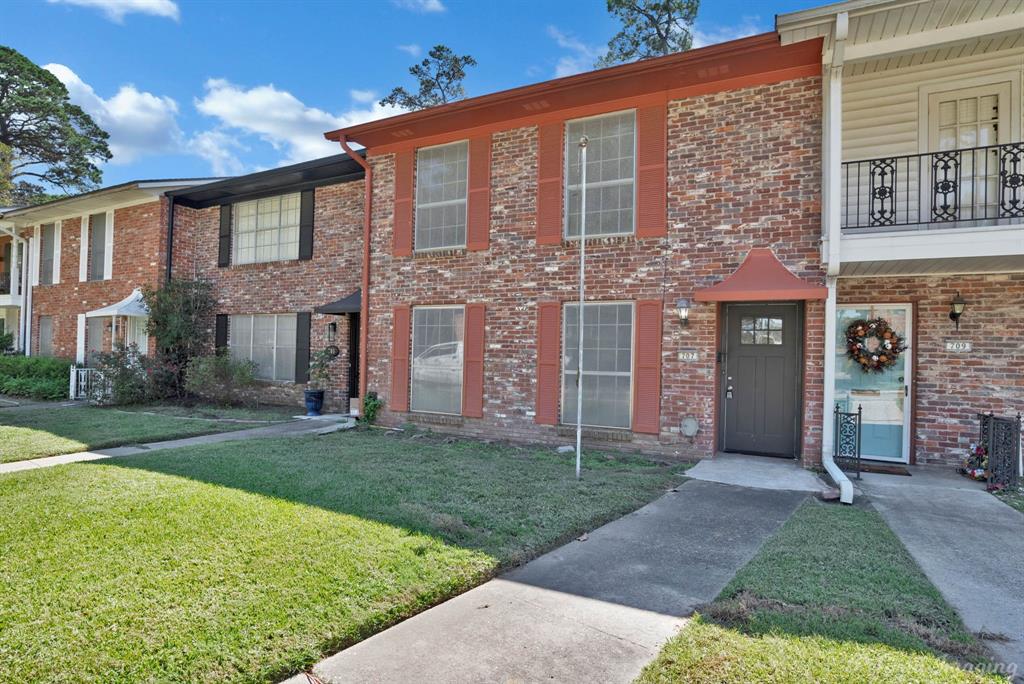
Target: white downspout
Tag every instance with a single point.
(832, 154)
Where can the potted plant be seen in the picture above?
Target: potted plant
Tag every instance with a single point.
(319, 377)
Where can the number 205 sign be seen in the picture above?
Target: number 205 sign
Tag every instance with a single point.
(958, 347)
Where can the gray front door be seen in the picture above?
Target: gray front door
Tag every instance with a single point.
(761, 383)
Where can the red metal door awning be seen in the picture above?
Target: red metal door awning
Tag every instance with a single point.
(761, 278)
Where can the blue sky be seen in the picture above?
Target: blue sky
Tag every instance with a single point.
(219, 88)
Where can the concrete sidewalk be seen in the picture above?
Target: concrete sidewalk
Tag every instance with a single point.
(305, 426)
(760, 472)
(595, 610)
(969, 544)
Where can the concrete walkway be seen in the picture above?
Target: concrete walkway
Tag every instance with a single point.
(305, 426)
(969, 544)
(595, 610)
(761, 472)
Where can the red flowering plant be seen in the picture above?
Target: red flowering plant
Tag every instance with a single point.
(975, 466)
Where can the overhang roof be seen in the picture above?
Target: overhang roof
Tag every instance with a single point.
(338, 168)
(761, 278)
(133, 305)
(345, 305)
(734, 64)
(99, 200)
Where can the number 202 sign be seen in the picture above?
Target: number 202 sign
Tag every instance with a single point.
(958, 347)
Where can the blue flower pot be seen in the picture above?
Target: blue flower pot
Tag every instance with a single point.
(314, 402)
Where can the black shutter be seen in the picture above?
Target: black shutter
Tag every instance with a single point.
(306, 225)
(220, 335)
(224, 250)
(302, 324)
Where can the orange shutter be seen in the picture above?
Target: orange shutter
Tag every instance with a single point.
(549, 184)
(473, 363)
(647, 367)
(652, 190)
(549, 334)
(401, 241)
(400, 339)
(478, 209)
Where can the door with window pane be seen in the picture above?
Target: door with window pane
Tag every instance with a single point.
(966, 125)
(883, 397)
(607, 372)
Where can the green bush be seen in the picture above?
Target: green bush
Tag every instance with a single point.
(36, 377)
(125, 373)
(220, 379)
(6, 342)
(179, 321)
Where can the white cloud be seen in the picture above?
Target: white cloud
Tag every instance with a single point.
(422, 6)
(412, 48)
(581, 56)
(138, 122)
(218, 148)
(279, 118)
(364, 96)
(115, 10)
(747, 26)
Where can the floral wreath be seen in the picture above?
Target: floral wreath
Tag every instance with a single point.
(873, 344)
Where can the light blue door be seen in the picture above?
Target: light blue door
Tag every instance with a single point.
(883, 397)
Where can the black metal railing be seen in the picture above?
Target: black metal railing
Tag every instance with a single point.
(1001, 439)
(846, 439)
(980, 184)
(5, 283)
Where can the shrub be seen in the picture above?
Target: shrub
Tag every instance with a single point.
(371, 407)
(6, 342)
(220, 378)
(179, 316)
(36, 377)
(124, 371)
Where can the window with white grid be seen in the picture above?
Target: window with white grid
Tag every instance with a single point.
(607, 364)
(611, 169)
(266, 229)
(268, 340)
(437, 359)
(441, 174)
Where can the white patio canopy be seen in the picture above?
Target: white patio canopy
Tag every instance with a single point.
(131, 306)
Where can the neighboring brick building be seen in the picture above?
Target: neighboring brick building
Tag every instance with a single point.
(75, 271)
(276, 246)
(469, 318)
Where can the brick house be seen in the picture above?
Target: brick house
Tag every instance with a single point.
(86, 255)
(283, 251)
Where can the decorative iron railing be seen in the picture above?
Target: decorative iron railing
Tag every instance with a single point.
(5, 283)
(846, 439)
(981, 184)
(88, 384)
(1001, 439)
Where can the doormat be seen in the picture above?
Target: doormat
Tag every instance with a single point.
(883, 469)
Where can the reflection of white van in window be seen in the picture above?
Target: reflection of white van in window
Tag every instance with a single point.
(436, 362)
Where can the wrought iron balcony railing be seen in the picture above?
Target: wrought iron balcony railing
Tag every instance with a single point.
(948, 188)
(5, 283)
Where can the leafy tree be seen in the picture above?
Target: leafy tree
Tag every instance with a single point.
(650, 28)
(179, 320)
(45, 140)
(440, 77)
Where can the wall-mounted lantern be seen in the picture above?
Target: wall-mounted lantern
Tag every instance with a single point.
(956, 309)
(683, 311)
(332, 332)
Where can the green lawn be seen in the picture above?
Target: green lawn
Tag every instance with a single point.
(1013, 498)
(249, 561)
(48, 431)
(833, 597)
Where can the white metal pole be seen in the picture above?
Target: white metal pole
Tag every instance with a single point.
(579, 309)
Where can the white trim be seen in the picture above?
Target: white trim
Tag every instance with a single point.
(83, 249)
(36, 254)
(55, 278)
(416, 204)
(829, 399)
(929, 40)
(80, 340)
(108, 247)
(994, 78)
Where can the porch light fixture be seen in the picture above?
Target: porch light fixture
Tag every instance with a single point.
(956, 309)
(683, 311)
(332, 332)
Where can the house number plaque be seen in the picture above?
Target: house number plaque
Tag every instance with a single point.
(689, 355)
(958, 347)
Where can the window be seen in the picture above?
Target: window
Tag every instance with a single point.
(437, 359)
(607, 364)
(97, 245)
(611, 167)
(760, 330)
(46, 246)
(46, 336)
(94, 336)
(441, 174)
(266, 229)
(269, 340)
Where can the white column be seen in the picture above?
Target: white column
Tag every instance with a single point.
(80, 346)
(55, 276)
(829, 402)
(83, 250)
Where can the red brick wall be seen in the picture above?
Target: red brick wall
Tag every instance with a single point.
(285, 286)
(138, 261)
(743, 171)
(950, 388)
